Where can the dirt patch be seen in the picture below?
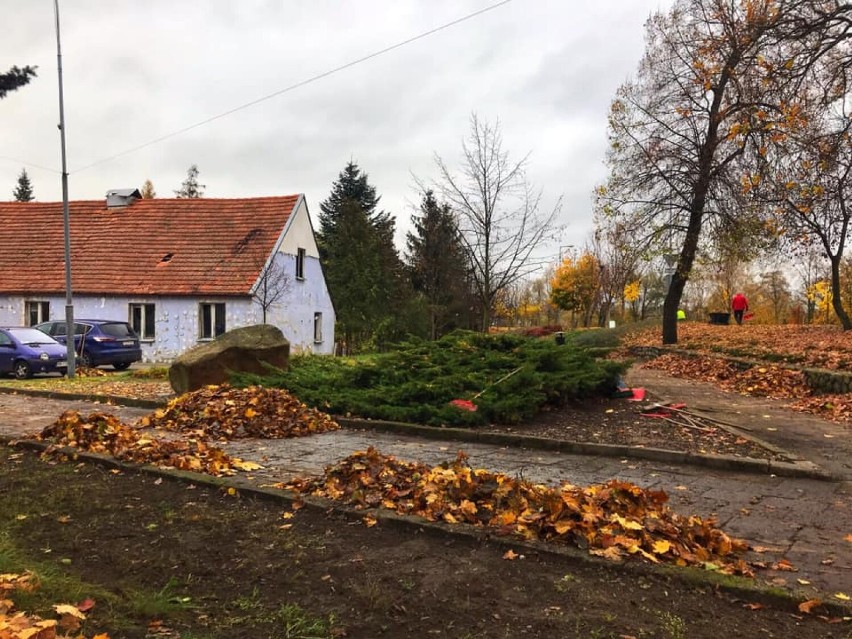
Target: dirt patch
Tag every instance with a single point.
(230, 566)
(619, 421)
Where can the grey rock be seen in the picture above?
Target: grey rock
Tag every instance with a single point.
(245, 350)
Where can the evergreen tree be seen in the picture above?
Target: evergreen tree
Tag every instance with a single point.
(439, 267)
(24, 191)
(190, 188)
(352, 185)
(148, 192)
(361, 265)
(14, 79)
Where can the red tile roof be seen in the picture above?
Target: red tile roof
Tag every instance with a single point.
(216, 246)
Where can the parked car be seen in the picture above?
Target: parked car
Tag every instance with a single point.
(24, 351)
(98, 342)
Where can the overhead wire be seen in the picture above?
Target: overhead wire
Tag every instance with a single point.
(294, 86)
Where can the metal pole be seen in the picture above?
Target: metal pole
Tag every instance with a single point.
(69, 304)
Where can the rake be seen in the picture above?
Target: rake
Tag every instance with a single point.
(468, 405)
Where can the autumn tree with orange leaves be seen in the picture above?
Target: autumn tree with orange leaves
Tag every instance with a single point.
(712, 85)
(576, 286)
(803, 161)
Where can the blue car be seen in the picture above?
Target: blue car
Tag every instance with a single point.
(98, 342)
(25, 351)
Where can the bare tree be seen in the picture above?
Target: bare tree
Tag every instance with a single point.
(272, 284)
(499, 212)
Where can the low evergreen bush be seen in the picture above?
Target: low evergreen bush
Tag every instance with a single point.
(416, 381)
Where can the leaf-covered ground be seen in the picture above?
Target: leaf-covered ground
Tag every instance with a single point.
(166, 559)
(807, 346)
(760, 381)
(110, 384)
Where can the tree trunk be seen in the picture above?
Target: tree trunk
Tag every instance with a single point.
(836, 297)
(684, 265)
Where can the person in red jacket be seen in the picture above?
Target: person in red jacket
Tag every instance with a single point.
(739, 304)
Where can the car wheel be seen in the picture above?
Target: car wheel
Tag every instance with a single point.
(121, 366)
(85, 360)
(22, 370)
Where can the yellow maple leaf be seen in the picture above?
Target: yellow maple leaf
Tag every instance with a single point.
(250, 412)
(842, 596)
(662, 547)
(625, 523)
(68, 609)
(246, 466)
(468, 507)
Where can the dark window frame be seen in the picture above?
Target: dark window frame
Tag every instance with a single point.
(317, 327)
(145, 325)
(211, 320)
(300, 264)
(42, 312)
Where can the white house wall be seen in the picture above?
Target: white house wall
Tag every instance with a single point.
(299, 233)
(294, 315)
(176, 318)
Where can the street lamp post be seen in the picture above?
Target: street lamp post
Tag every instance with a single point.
(69, 304)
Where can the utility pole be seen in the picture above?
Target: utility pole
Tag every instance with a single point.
(69, 304)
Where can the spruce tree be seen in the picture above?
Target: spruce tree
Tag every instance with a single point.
(439, 267)
(24, 191)
(14, 79)
(190, 188)
(361, 264)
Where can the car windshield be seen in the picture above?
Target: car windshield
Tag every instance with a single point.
(118, 329)
(31, 336)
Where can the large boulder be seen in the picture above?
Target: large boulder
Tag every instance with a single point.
(240, 350)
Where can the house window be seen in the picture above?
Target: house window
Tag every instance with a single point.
(300, 264)
(142, 320)
(37, 312)
(317, 328)
(211, 320)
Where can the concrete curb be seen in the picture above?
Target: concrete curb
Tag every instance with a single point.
(803, 469)
(739, 586)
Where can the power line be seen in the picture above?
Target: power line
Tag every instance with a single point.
(25, 163)
(297, 85)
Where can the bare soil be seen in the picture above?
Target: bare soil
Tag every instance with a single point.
(231, 566)
(620, 421)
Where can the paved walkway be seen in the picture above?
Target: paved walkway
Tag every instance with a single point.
(804, 521)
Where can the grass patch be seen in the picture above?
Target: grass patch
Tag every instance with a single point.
(417, 381)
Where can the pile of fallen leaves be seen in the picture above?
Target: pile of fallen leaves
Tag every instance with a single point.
(16, 624)
(106, 434)
(612, 520)
(230, 413)
(759, 381)
(89, 371)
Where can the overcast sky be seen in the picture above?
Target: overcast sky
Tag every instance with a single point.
(136, 71)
